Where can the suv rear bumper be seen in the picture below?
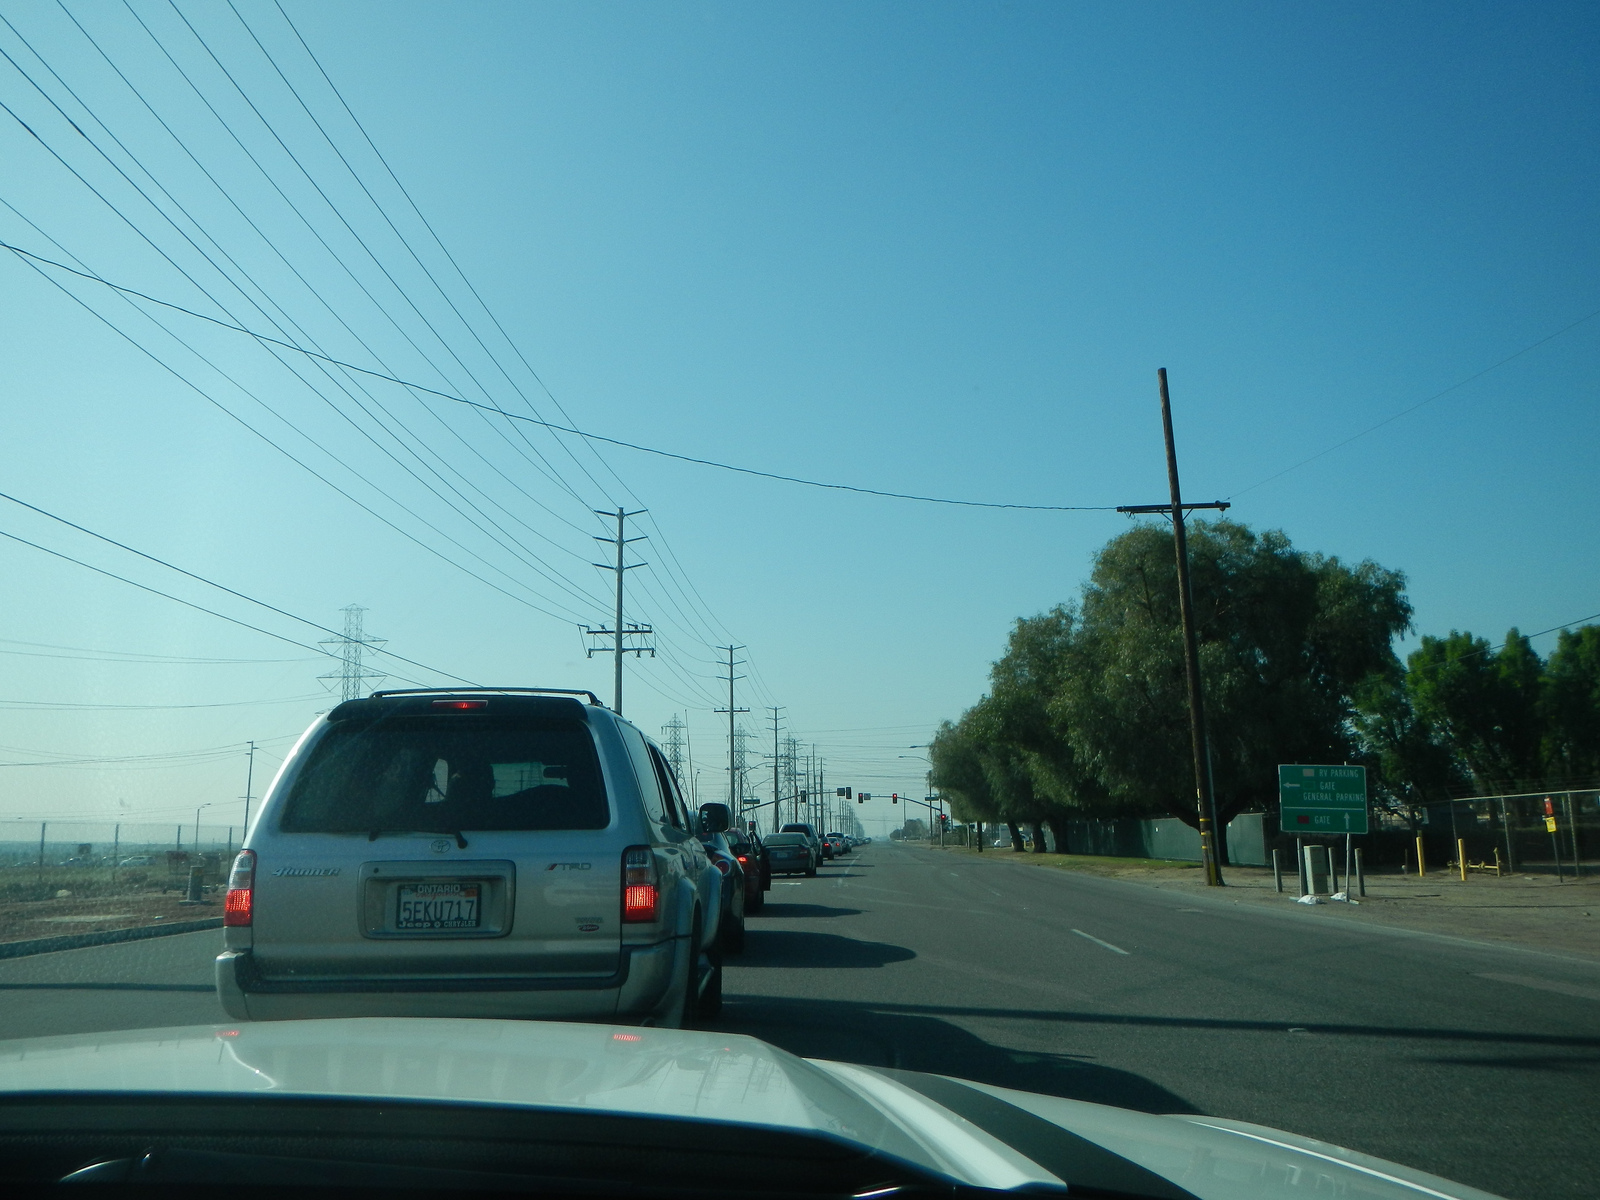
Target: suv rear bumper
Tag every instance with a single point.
(637, 989)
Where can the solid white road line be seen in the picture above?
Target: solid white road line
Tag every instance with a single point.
(1098, 942)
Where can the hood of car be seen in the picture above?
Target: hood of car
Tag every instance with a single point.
(981, 1135)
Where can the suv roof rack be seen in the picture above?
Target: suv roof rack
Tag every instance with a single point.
(490, 691)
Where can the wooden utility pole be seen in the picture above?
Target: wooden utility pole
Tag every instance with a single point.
(1205, 801)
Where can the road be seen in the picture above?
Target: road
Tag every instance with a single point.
(1475, 1061)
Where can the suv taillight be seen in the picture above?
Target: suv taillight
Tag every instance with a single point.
(641, 890)
(236, 909)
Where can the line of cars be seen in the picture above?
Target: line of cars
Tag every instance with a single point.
(506, 852)
(797, 849)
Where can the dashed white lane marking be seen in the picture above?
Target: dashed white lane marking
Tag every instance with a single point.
(1545, 985)
(1098, 942)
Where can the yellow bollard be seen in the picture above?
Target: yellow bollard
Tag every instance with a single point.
(1461, 857)
(1422, 866)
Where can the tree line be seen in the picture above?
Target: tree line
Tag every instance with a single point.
(1086, 713)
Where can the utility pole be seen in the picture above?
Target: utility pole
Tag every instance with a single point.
(733, 767)
(777, 761)
(617, 633)
(352, 673)
(1205, 799)
(249, 780)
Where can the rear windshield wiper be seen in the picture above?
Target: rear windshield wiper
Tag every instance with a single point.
(461, 840)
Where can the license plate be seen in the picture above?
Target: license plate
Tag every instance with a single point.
(438, 906)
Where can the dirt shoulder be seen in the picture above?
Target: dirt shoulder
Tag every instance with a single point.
(1532, 911)
(28, 919)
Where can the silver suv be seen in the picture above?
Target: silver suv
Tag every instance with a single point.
(474, 853)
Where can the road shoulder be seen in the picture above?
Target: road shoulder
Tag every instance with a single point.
(1531, 912)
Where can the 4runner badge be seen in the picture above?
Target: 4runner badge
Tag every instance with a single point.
(568, 867)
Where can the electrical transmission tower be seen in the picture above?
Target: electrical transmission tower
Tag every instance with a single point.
(349, 650)
(733, 741)
(791, 768)
(619, 635)
(741, 759)
(672, 743)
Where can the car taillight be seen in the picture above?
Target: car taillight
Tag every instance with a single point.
(641, 891)
(744, 861)
(723, 865)
(237, 908)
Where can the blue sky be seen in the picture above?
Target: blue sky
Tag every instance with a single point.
(937, 249)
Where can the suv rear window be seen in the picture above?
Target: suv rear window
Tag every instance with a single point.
(787, 839)
(436, 773)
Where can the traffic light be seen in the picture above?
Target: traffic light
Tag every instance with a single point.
(861, 799)
(844, 791)
(894, 797)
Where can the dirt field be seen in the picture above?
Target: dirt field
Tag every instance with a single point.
(58, 901)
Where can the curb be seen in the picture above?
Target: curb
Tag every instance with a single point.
(76, 941)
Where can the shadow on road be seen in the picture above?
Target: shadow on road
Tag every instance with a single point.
(776, 908)
(1564, 1064)
(882, 1037)
(1309, 1029)
(802, 949)
(107, 987)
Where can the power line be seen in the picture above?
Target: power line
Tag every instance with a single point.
(353, 232)
(558, 428)
(316, 293)
(537, 378)
(668, 576)
(161, 562)
(209, 611)
(1460, 383)
(301, 463)
(140, 657)
(66, 706)
(551, 575)
(1526, 637)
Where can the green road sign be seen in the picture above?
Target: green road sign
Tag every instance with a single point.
(1323, 799)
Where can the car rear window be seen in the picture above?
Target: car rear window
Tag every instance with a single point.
(787, 839)
(436, 773)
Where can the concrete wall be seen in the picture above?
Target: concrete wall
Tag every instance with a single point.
(1164, 837)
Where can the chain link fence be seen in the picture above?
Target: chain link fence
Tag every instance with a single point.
(43, 859)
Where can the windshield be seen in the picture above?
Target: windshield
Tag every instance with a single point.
(448, 773)
(1130, 469)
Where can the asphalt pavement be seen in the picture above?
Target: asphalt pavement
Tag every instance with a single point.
(1475, 1061)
